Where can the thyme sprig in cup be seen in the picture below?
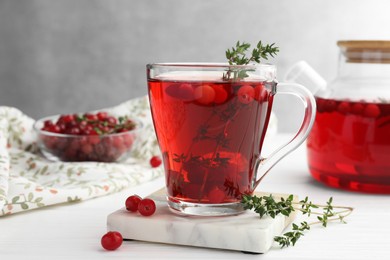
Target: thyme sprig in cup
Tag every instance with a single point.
(238, 56)
(210, 120)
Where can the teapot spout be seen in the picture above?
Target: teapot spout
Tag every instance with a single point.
(302, 73)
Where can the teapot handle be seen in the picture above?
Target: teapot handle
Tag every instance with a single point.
(265, 164)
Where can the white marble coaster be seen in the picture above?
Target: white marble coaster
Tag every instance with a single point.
(244, 232)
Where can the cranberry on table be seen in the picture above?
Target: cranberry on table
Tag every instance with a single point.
(146, 207)
(112, 240)
(155, 161)
(132, 203)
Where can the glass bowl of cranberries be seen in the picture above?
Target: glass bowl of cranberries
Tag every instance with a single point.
(96, 137)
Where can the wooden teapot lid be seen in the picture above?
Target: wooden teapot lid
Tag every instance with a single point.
(365, 51)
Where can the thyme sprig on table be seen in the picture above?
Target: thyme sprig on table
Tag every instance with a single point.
(268, 206)
(237, 56)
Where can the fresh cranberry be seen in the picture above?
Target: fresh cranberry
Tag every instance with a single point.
(83, 140)
(74, 130)
(104, 129)
(62, 126)
(102, 115)
(47, 123)
(186, 92)
(132, 203)
(83, 124)
(204, 94)
(94, 139)
(146, 207)
(54, 129)
(155, 161)
(111, 120)
(87, 148)
(91, 117)
(181, 91)
(66, 118)
(246, 94)
(117, 141)
(128, 139)
(111, 240)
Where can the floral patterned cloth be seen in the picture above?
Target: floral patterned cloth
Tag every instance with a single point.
(29, 181)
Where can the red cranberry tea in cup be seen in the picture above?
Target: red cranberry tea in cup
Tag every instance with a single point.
(206, 133)
(210, 121)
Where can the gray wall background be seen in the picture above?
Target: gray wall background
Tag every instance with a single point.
(60, 56)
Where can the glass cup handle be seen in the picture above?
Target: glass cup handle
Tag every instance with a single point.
(309, 103)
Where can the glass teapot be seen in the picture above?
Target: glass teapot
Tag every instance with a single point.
(349, 145)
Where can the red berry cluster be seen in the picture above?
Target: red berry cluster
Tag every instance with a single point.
(88, 124)
(214, 93)
(146, 207)
(88, 137)
(364, 109)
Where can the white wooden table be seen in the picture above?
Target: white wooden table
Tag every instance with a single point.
(73, 231)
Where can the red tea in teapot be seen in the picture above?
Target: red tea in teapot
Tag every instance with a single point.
(349, 145)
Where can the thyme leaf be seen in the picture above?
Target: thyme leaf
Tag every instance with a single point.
(238, 56)
(268, 206)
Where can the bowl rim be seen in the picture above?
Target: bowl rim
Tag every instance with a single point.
(139, 125)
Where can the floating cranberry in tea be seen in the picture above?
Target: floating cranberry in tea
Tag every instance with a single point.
(260, 92)
(372, 110)
(186, 91)
(246, 94)
(179, 91)
(344, 107)
(204, 94)
(357, 108)
(221, 94)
